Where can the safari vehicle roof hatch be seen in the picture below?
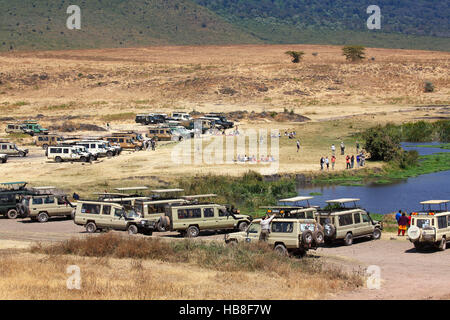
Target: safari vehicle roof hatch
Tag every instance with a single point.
(166, 190)
(168, 201)
(131, 188)
(20, 185)
(343, 200)
(441, 203)
(198, 196)
(296, 200)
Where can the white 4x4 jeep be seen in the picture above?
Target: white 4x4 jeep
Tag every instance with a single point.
(430, 227)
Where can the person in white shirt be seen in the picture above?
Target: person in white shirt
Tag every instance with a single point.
(265, 227)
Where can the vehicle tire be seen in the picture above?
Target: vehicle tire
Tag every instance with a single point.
(414, 233)
(4, 160)
(45, 146)
(376, 235)
(137, 148)
(242, 226)
(281, 249)
(22, 154)
(232, 242)
(443, 244)
(319, 237)
(12, 214)
(91, 227)
(42, 217)
(329, 230)
(132, 229)
(84, 159)
(192, 232)
(348, 240)
(58, 159)
(109, 154)
(307, 237)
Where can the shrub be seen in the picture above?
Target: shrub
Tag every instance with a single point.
(354, 53)
(295, 55)
(428, 86)
(383, 143)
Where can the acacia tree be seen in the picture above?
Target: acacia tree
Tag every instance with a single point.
(295, 55)
(354, 53)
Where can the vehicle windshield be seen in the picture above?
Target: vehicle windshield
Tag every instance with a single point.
(423, 223)
(131, 214)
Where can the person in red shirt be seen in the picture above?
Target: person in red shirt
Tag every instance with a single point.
(402, 224)
(409, 220)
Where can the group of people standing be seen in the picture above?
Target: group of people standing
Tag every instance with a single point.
(350, 160)
(403, 221)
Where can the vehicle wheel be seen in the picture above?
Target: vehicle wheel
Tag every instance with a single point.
(348, 239)
(281, 250)
(329, 230)
(12, 214)
(192, 232)
(443, 244)
(109, 154)
(242, 226)
(132, 229)
(376, 235)
(91, 227)
(232, 242)
(4, 160)
(45, 146)
(137, 148)
(42, 217)
(319, 237)
(21, 154)
(58, 159)
(160, 227)
(84, 159)
(307, 237)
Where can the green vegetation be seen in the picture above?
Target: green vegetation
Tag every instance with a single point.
(247, 193)
(354, 53)
(119, 116)
(192, 22)
(212, 255)
(295, 55)
(440, 146)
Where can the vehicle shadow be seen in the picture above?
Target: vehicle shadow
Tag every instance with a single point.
(340, 243)
(52, 219)
(426, 250)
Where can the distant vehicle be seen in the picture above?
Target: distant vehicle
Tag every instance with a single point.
(32, 128)
(127, 140)
(15, 128)
(221, 120)
(203, 123)
(160, 133)
(11, 149)
(430, 226)
(287, 235)
(11, 193)
(181, 116)
(47, 140)
(97, 147)
(100, 215)
(189, 219)
(347, 223)
(42, 207)
(69, 153)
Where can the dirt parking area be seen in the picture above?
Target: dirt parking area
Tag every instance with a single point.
(405, 273)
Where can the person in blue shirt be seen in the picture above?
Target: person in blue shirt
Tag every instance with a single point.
(398, 215)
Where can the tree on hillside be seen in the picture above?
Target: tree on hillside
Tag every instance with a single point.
(295, 55)
(354, 53)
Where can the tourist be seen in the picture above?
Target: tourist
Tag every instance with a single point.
(333, 150)
(298, 145)
(347, 160)
(352, 160)
(322, 161)
(327, 162)
(342, 148)
(333, 161)
(402, 224)
(265, 227)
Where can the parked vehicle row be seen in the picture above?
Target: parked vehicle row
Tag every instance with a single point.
(28, 127)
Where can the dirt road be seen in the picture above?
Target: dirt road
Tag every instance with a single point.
(405, 273)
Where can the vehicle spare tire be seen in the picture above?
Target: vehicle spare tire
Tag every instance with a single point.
(329, 230)
(414, 232)
(319, 237)
(307, 237)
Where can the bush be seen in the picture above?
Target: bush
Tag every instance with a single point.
(383, 143)
(354, 53)
(428, 86)
(295, 55)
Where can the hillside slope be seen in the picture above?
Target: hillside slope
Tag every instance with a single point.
(38, 25)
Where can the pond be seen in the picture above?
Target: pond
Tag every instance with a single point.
(388, 198)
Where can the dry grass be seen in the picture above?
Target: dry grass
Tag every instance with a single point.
(155, 271)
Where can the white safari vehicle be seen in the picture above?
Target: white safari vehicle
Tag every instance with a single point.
(430, 226)
(68, 153)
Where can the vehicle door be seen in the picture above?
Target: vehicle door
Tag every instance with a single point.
(36, 205)
(210, 218)
(346, 225)
(367, 226)
(253, 232)
(283, 231)
(50, 205)
(224, 219)
(117, 219)
(442, 227)
(358, 226)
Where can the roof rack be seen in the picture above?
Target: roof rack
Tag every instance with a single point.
(166, 190)
(343, 200)
(131, 188)
(198, 196)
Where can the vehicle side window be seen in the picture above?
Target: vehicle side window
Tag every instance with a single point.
(345, 219)
(365, 217)
(90, 208)
(189, 213)
(37, 201)
(357, 217)
(448, 221)
(93, 145)
(49, 200)
(118, 212)
(442, 222)
(106, 210)
(66, 150)
(208, 212)
(4, 146)
(285, 227)
(222, 212)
